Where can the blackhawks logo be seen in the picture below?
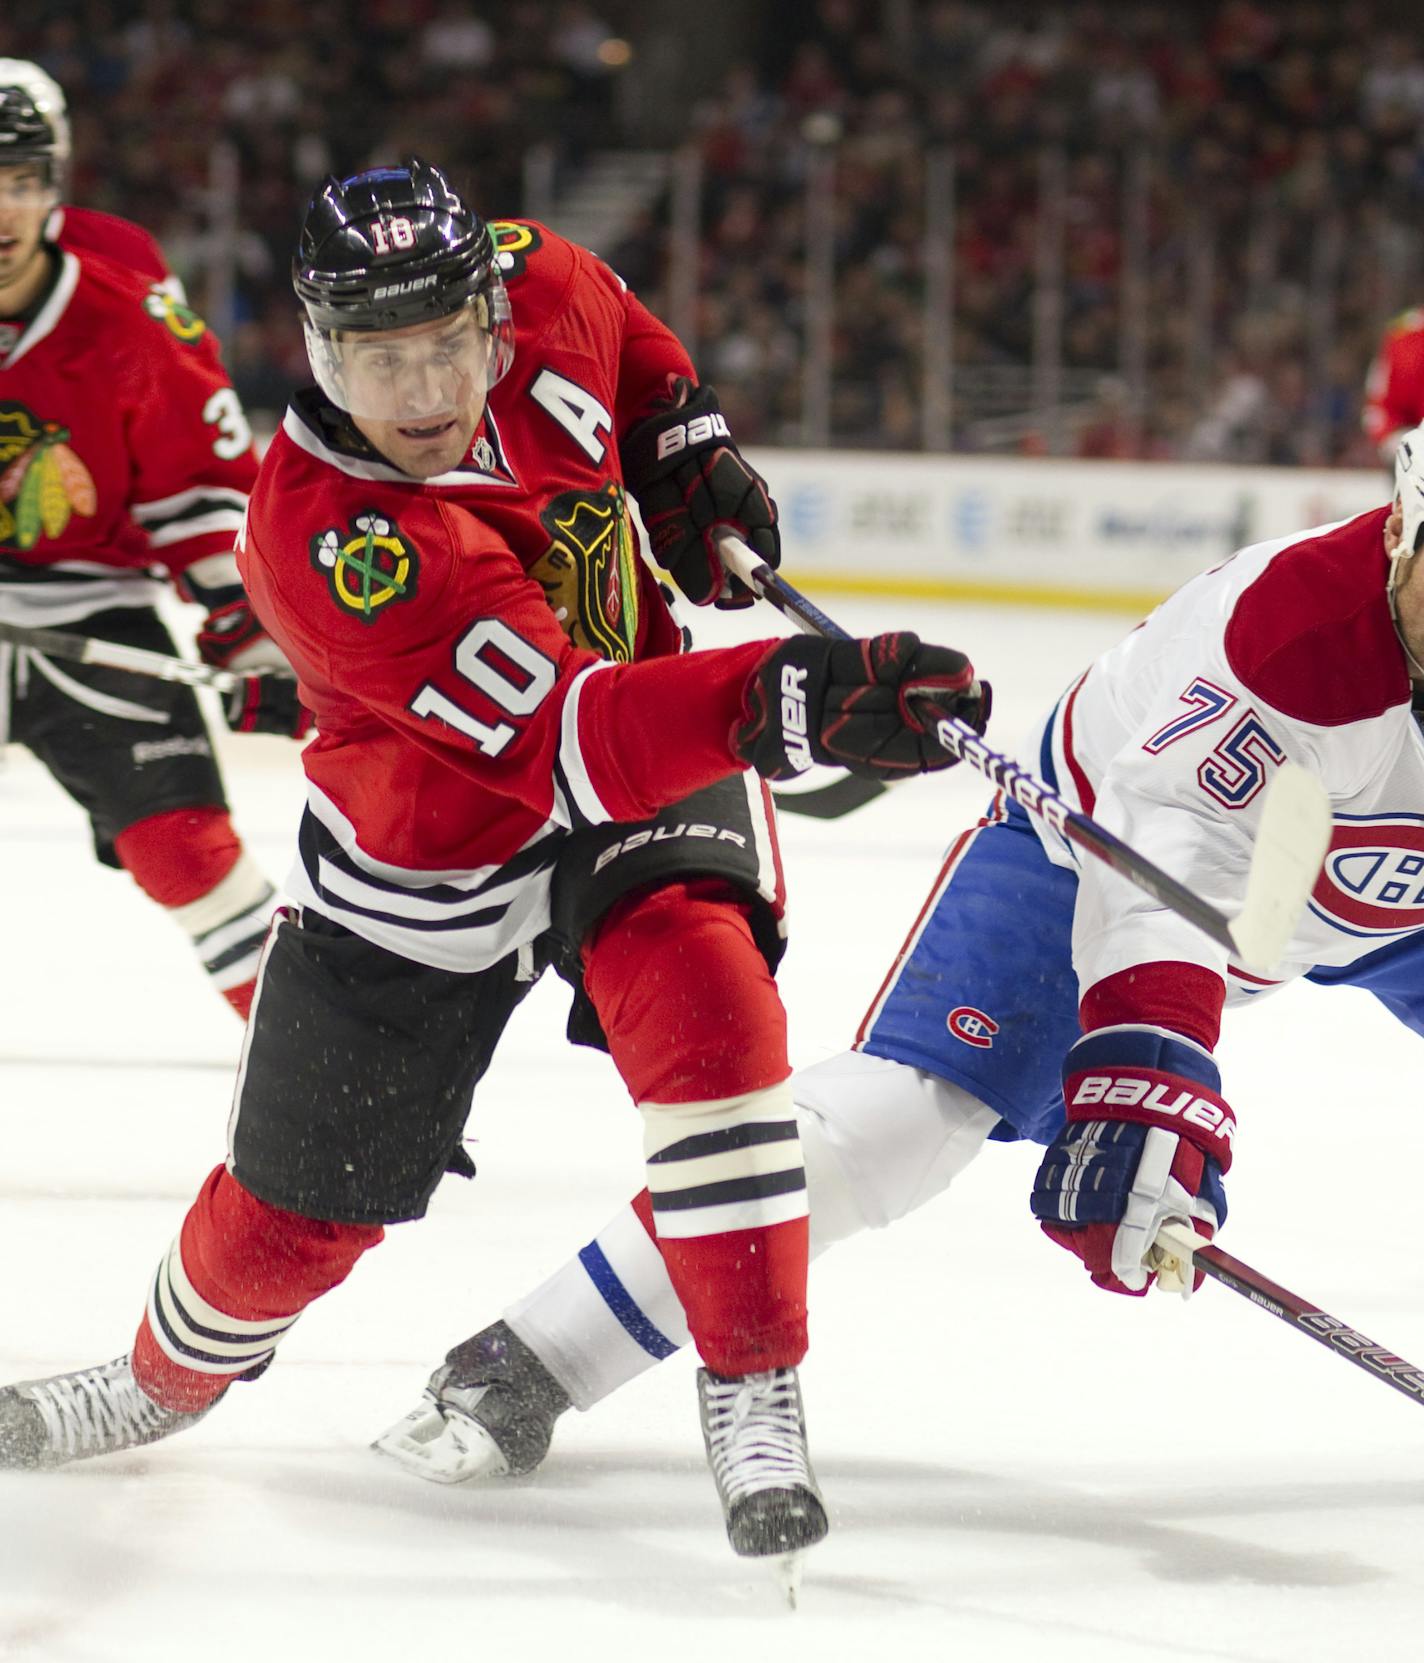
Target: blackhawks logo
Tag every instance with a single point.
(368, 566)
(43, 484)
(513, 244)
(589, 572)
(181, 320)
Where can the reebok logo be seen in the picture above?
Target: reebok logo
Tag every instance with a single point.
(1126, 1091)
(700, 430)
(156, 750)
(794, 738)
(389, 289)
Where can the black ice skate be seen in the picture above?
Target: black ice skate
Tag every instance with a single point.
(488, 1412)
(94, 1411)
(755, 1431)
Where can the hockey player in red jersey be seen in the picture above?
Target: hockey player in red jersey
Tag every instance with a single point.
(1089, 1023)
(513, 769)
(123, 448)
(1394, 388)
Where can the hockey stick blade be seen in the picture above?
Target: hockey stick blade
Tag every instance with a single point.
(113, 655)
(1177, 1241)
(1290, 846)
(1284, 864)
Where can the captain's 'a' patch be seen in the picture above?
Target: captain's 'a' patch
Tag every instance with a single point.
(369, 566)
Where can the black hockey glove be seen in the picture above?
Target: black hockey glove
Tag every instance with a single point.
(867, 706)
(691, 482)
(232, 632)
(266, 701)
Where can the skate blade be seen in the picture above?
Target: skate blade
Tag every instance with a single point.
(441, 1448)
(788, 1575)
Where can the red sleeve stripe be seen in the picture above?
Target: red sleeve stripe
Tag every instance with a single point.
(1186, 998)
(1081, 784)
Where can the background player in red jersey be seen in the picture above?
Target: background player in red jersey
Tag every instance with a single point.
(513, 769)
(123, 448)
(1394, 389)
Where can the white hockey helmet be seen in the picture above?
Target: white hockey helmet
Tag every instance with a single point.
(1409, 499)
(34, 126)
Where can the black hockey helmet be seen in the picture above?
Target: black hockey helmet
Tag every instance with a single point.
(33, 124)
(392, 246)
(389, 248)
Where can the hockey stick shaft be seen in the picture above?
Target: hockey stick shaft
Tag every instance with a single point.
(1329, 1331)
(113, 655)
(1288, 853)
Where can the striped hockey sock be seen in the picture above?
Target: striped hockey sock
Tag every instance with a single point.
(230, 1288)
(728, 1190)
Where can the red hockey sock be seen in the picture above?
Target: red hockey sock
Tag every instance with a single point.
(692, 1017)
(236, 1279)
(241, 996)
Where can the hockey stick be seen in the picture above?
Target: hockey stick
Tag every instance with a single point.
(1305, 1318)
(832, 800)
(1290, 843)
(86, 649)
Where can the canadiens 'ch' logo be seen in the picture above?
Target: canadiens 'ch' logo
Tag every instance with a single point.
(43, 484)
(369, 565)
(972, 1026)
(589, 572)
(1372, 880)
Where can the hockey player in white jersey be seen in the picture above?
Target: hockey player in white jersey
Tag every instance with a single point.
(1089, 1025)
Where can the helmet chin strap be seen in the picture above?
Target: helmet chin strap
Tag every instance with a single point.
(1397, 563)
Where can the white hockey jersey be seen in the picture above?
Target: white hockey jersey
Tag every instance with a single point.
(1287, 650)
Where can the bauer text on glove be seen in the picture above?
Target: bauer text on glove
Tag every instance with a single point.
(692, 483)
(1147, 1140)
(867, 706)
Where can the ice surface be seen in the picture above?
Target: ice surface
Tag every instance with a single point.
(1017, 1466)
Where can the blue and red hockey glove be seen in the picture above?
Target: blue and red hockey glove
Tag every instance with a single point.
(1147, 1139)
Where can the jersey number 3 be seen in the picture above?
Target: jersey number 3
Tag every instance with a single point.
(514, 676)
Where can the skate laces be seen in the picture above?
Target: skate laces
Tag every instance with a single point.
(755, 1437)
(96, 1409)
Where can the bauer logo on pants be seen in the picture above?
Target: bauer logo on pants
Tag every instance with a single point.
(972, 1026)
(369, 566)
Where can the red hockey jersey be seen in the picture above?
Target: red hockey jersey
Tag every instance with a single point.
(88, 231)
(1394, 390)
(123, 447)
(487, 657)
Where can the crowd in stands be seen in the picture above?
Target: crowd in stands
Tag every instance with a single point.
(1282, 157)
(1278, 149)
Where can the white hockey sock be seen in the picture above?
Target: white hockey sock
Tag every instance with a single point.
(229, 924)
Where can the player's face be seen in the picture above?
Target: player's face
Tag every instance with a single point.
(25, 202)
(418, 393)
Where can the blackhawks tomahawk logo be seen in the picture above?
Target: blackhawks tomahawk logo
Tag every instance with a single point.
(43, 484)
(589, 572)
(181, 320)
(369, 565)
